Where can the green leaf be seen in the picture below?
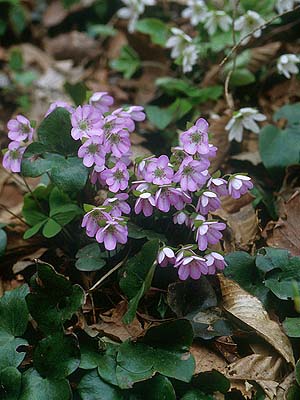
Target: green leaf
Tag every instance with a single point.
(102, 30)
(268, 259)
(3, 242)
(55, 133)
(76, 91)
(10, 356)
(90, 258)
(163, 353)
(92, 387)
(32, 207)
(34, 387)
(157, 388)
(56, 356)
(291, 327)
(159, 117)
(53, 299)
(34, 229)
(69, 174)
(51, 228)
(13, 311)
(290, 112)
(180, 108)
(242, 77)
(212, 381)
(137, 276)
(196, 394)
(35, 161)
(155, 28)
(17, 18)
(174, 86)
(62, 210)
(10, 383)
(127, 63)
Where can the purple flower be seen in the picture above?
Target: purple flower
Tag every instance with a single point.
(119, 121)
(57, 104)
(96, 175)
(118, 204)
(145, 201)
(212, 152)
(136, 113)
(208, 201)
(181, 218)
(192, 265)
(117, 141)
(158, 171)
(195, 139)
(92, 152)
(86, 122)
(94, 219)
(167, 196)
(192, 174)
(101, 101)
(117, 177)
(13, 157)
(215, 262)
(112, 233)
(166, 256)
(208, 232)
(19, 129)
(239, 185)
(218, 185)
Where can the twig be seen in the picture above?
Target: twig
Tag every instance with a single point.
(12, 213)
(263, 26)
(102, 279)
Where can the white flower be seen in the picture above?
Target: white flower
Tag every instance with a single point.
(215, 19)
(287, 65)
(283, 6)
(189, 59)
(244, 118)
(196, 11)
(132, 11)
(178, 42)
(248, 23)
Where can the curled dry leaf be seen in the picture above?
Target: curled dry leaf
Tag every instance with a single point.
(111, 324)
(27, 260)
(220, 140)
(242, 222)
(284, 386)
(206, 359)
(285, 233)
(250, 311)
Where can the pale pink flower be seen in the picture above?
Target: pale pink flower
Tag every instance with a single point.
(192, 174)
(215, 262)
(158, 171)
(86, 122)
(13, 157)
(195, 139)
(115, 231)
(92, 152)
(166, 256)
(117, 177)
(19, 129)
(238, 185)
(101, 101)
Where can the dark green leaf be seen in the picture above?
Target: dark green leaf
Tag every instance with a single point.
(211, 381)
(69, 174)
(290, 112)
(242, 77)
(34, 230)
(76, 91)
(56, 356)
(268, 259)
(3, 242)
(157, 388)
(90, 258)
(34, 387)
(291, 327)
(10, 383)
(92, 387)
(155, 28)
(9, 354)
(196, 394)
(127, 63)
(55, 133)
(159, 117)
(51, 228)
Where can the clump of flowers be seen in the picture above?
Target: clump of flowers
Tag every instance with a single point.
(132, 11)
(179, 185)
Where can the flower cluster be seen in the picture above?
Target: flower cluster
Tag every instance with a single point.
(21, 133)
(180, 184)
(287, 65)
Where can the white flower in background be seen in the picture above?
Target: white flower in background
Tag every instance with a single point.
(178, 42)
(196, 11)
(244, 118)
(189, 59)
(287, 65)
(215, 20)
(283, 6)
(132, 11)
(248, 23)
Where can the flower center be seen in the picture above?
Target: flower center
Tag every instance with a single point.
(115, 138)
(84, 125)
(159, 173)
(25, 128)
(196, 137)
(188, 170)
(93, 148)
(14, 155)
(119, 175)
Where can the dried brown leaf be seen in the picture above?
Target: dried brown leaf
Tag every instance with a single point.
(285, 233)
(250, 311)
(261, 56)
(220, 140)
(206, 359)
